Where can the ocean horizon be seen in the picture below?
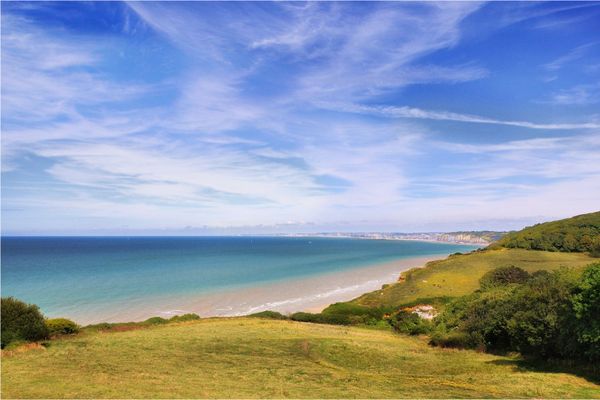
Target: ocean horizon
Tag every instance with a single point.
(94, 279)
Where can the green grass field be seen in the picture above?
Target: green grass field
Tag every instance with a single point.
(252, 358)
(459, 275)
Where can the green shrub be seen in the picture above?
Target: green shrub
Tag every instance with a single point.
(586, 306)
(333, 319)
(541, 324)
(454, 339)
(268, 314)
(102, 326)
(354, 314)
(503, 276)
(345, 314)
(483, 315)
(410, 323)
(155, 321)
(553, 315)
(305, 317)
(184, 317)
(61, 326)
(21, 322)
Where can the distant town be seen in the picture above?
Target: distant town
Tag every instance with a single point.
(482, 238)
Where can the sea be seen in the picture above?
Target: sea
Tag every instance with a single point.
(93, 279)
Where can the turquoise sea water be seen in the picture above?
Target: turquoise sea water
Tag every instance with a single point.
(79, 275)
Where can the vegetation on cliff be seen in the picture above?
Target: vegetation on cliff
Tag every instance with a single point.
(577, 234)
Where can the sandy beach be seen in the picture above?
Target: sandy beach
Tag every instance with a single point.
(304, 294)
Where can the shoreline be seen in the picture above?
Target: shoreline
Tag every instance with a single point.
(310, 294)
(462, 243)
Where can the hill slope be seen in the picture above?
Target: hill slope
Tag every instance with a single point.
(459, 274)
(577, 234)
(252, 358)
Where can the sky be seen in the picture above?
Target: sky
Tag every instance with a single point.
(241, 117)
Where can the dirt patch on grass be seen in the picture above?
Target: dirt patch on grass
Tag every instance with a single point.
(23, 348)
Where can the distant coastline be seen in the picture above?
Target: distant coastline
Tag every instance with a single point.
(474, 238)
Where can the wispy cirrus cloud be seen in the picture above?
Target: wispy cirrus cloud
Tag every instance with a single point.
(573, 55)
(192, 114)
(576, 95)
(417, 113)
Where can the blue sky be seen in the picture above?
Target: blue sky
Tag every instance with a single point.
(159, 118)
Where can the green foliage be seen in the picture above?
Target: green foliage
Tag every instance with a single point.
(61, 326)
(586, 305)
(184, 317)
(120, 326)
(354, 314)
(540, 326)
(410, 323)
(21, 322)
(155, 321)
(482, 316)
(577, 234)
(552, 315)
(459, 275)
(269, 315)
(503, 276)
(333, 319)
(176, 318)
(454, 339)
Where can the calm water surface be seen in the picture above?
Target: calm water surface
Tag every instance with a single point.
(78, 275)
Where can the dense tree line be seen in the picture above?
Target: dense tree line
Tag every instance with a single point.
(546, 315)
(577, 234)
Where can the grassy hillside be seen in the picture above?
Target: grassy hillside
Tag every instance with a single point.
(577, 234)
(459, 274)
(251, 358)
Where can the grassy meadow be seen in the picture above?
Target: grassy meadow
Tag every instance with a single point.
(458, 275)
(253, 358)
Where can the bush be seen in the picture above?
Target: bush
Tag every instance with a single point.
(455, 339)
(483, 315)
(410, 323)
(353, 314)
(503, 276)
(333, 319)
(554, 315)
(541, 324)
(305, 317)
(155, 321)
(268, 314)
(586, 306)
(61, 326)
(184, 317)
(21, 322)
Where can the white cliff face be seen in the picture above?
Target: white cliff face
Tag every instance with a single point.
(462, 238)
(474, 238)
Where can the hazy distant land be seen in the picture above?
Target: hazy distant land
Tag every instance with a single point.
(480, 238)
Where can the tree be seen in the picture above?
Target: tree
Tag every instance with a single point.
(586, 304)
(21, 322)
(541, 324)
(503, 276)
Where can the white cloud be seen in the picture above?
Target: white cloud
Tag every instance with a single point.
(577, 95)
(220, 155)
(573, 55)
(417, 113)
